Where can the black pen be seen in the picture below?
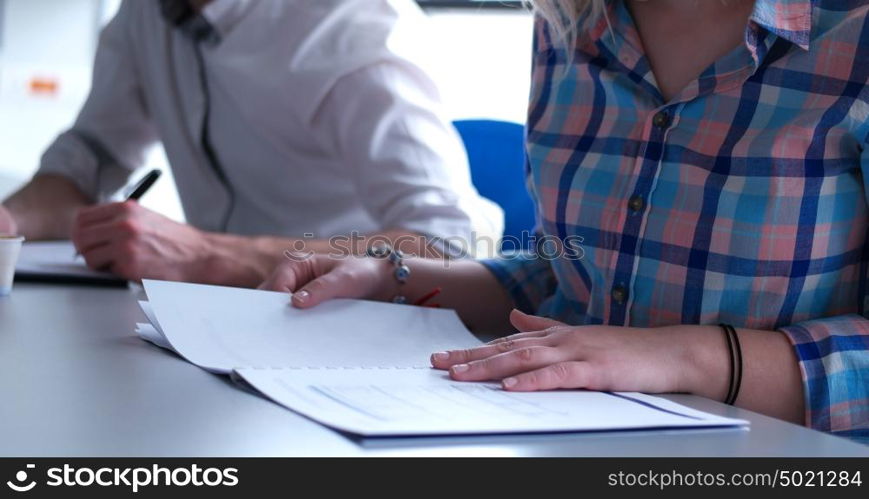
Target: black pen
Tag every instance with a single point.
(141, 188)
(144, 185)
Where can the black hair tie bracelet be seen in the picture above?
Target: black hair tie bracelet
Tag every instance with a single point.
(735, 363)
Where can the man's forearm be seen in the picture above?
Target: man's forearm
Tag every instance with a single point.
(46, 207)
(247, 261)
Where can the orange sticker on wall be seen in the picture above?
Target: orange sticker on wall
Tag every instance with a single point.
(44, 86)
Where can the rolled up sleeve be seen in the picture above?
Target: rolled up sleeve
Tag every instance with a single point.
(833, 354)
(528, 278)
(113, 131)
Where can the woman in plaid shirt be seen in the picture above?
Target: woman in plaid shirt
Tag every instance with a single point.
(694, 163)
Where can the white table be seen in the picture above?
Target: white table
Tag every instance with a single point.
(77, 382)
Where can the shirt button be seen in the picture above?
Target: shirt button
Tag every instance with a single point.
(636, 203)
(620, 294)
(661, 119)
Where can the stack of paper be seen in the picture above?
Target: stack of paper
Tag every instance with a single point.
(363, 367)
(57, 261)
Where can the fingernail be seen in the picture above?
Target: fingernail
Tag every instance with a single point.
(509, 382)
(441, 356)
(460, 368)
(302, 296)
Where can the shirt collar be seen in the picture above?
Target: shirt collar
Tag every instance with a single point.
(787, 19)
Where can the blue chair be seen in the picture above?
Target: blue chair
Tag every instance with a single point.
(496, 153)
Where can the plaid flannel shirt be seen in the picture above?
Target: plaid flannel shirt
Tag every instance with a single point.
(741, 200)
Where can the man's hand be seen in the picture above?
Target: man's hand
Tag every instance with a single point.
(136, 243)
(7, 223)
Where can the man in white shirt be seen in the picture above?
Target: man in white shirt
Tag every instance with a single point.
(285, 122)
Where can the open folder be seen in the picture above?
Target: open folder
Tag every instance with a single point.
(363, 367)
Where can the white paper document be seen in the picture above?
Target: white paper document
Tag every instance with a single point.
(221, 328)
(363, 367)
(57, 260)
(389, 402)
(150, 334)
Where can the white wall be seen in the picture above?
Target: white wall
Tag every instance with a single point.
(51, 40)
(484, 62)
(482, 67)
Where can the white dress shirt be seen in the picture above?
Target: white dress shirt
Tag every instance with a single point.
(321, 118)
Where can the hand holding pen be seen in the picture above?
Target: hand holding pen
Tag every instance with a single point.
(139, 190)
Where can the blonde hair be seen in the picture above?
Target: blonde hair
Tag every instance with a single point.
(566, 16)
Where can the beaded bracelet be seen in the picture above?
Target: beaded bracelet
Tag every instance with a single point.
(394, 256)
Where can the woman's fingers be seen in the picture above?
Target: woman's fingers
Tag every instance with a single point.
(353, 278)
(524, 322)
(507, 364)
(284, 278)
(530, 326)
(574, 374)
(298, 270)
(445, 360)
(313, 279)
(521, 336)
(324, 288)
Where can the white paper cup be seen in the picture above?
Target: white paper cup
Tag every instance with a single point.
(10, 248)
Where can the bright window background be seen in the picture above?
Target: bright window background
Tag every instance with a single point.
(47, 46)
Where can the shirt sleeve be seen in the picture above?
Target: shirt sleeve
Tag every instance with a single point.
(109, 138)
(527, 277)
(834, 359)
(406, 158)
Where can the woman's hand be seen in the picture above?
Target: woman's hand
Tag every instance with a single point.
(316, 278)
(549, 355)
(465, 286)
